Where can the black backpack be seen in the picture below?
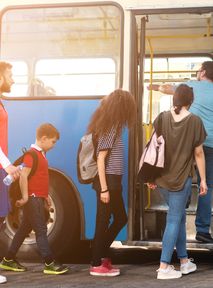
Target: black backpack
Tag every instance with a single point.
(15, 192)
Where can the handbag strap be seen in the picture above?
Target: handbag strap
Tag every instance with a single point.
(159, 125)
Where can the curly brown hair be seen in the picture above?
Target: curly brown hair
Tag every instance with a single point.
(116, 110)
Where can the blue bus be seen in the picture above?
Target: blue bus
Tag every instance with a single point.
(66, 56)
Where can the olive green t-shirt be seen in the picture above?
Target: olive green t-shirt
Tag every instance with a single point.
(181, 138)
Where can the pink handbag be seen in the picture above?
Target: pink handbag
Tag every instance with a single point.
(153, 158)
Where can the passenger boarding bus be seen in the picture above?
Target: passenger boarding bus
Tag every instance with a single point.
(67, 55)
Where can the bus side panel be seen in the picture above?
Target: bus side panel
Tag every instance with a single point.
(71, 118)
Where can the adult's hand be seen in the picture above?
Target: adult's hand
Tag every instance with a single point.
(13, 171)
(151, 185)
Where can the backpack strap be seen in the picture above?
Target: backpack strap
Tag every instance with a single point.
(35, 160)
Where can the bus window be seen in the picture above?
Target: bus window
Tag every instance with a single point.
(64, 48)
(174, 70)
(65, 76)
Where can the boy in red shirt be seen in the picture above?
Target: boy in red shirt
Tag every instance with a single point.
(34, 198)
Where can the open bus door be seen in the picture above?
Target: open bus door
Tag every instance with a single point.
(149, 48)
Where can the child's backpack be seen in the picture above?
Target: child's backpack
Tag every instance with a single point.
(15, 191)
(86, 159)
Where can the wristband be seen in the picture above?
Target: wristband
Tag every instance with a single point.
(105, 191)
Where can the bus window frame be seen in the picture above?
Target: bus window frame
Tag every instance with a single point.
(64, 5)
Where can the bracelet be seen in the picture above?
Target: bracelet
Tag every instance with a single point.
(105, 191)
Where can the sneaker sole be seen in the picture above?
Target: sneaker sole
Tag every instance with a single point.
(55, 272)
(189, 271)
(165, 277)
(8, 268)
(3, 281)
(105, 274)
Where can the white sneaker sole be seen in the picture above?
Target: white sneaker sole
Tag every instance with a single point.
(166, 277)
(189, 271)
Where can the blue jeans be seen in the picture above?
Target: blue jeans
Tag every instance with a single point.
(204, 206)
(175, 231)
(33, 219)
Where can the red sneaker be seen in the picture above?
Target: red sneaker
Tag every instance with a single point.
(108, 263)
(103, 271)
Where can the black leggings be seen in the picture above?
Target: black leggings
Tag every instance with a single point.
(106, 230)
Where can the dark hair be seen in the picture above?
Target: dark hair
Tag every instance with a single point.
(117, 110)
(4, 66)
(48, 130)
(207, 66)
(183, 96)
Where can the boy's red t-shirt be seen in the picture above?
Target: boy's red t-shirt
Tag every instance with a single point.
(38, 184)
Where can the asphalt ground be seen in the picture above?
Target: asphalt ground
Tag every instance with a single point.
(138, 269)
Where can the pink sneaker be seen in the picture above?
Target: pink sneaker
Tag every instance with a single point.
(103, 271)
(106, 262)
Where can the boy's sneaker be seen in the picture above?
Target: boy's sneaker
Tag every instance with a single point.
(103, 271)
(3, 279)
(188, 267)
(55, 268)
(12, 265)
(108, 263)
(168, 273)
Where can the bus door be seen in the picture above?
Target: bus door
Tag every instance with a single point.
(171, 47)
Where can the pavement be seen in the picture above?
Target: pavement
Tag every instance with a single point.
(132, 276)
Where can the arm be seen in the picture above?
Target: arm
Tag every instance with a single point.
(102, 175)
(23, 182)
(163, 88)
(200, 161)
(8, 167)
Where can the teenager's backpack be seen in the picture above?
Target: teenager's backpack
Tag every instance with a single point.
(15, 191)
(86, 159)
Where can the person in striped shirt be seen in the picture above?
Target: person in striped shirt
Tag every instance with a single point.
(116, 111)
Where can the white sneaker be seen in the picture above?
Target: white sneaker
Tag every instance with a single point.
(188, 267)
(168, 273)
(3, 279)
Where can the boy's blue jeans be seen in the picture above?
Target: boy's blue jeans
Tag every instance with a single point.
(204, 206)
(175, 231)
(33, 219)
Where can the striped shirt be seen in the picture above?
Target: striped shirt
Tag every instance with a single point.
(115, 159)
